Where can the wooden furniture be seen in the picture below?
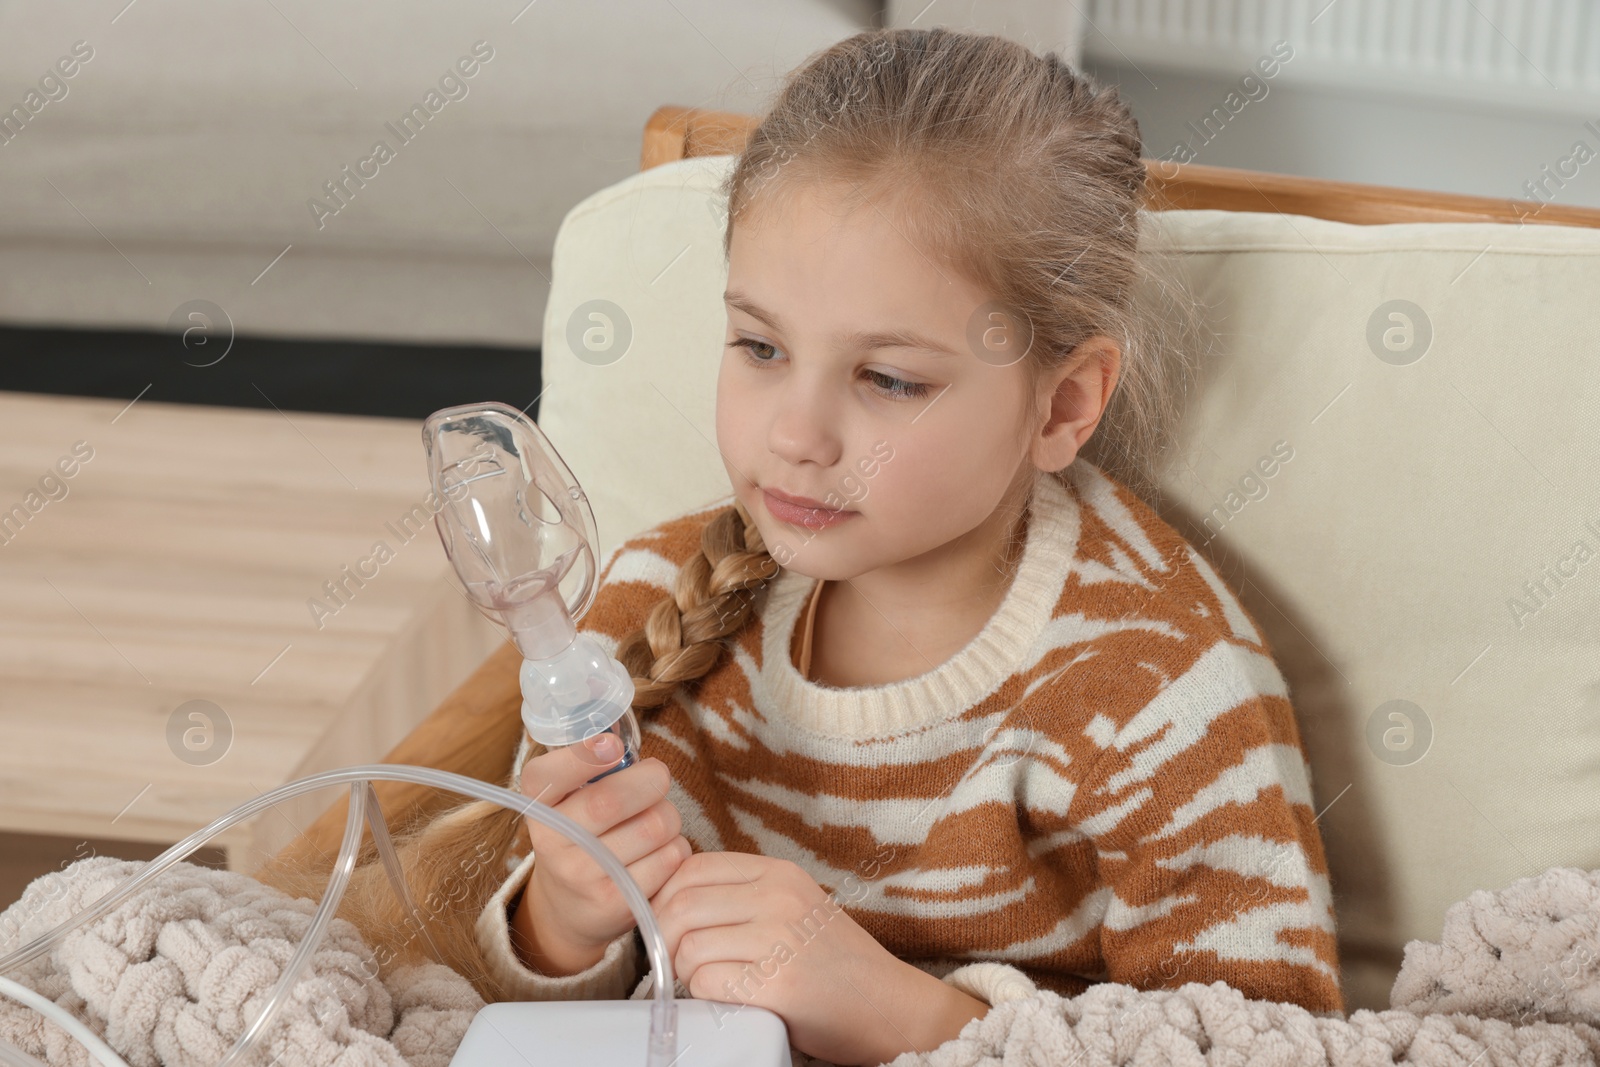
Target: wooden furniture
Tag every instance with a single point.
(679, 132)
(179, 561)
(474, 732)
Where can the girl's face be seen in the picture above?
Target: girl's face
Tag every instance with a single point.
(849, 378)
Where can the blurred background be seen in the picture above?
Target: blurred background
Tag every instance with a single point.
(202, 235)
(215, 152)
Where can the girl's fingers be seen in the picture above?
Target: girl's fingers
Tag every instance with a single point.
(652, 871)
(710, 869)
(554, 775)
(746, 944)
(616, 798)
(728, 904)
(643, 834)
(597, 807)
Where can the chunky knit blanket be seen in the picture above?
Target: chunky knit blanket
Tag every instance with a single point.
(173, 975)
(168, 978)
(1515, 979)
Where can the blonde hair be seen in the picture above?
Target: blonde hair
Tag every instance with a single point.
(1024, 175)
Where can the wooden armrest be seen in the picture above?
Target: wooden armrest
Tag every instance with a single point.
(1173, 186)
(474, 731)
(675, 132)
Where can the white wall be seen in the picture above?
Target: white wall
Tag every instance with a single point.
(1448, 95)
(1378, 137)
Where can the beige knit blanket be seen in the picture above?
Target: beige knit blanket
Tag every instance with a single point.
(172, 975)
(168, 977)
(1515, 979)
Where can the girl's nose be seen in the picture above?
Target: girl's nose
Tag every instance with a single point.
(804, 427)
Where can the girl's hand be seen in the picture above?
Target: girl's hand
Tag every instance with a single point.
(571, 909)
(750, 929)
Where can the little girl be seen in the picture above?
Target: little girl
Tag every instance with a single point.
(936, 712)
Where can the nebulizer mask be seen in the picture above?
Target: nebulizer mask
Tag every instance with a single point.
(521, 536)
(520, 533)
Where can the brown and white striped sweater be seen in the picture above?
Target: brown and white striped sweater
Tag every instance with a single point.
(1107, 783)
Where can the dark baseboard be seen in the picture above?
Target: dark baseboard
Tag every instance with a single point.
(25, 857)
(341, 377)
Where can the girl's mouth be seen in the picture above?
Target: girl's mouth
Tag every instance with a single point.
(812, 518)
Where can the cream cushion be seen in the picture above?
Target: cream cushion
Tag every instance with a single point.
(1416, 534)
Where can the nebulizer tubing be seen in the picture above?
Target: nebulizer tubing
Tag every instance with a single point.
(12, 1056)
(662, 1048)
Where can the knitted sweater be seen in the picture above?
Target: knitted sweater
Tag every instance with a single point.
(1106, 783)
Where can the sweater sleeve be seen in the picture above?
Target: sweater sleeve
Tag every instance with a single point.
(987, 980)
(1200, 811)
(611, 977)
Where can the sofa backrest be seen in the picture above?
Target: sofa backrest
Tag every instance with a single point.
(1391, 458)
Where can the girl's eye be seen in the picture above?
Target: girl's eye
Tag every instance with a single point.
(888, 385)
(897, 388)
(750, 345)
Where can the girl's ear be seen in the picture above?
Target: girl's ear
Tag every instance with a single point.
(1077, 393)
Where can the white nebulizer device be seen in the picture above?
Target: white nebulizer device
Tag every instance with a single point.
(521, 535)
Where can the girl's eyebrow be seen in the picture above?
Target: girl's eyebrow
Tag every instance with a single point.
(898, 338)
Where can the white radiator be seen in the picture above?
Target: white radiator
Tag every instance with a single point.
(1543, 54)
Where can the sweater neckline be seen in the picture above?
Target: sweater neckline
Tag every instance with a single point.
(951, 687)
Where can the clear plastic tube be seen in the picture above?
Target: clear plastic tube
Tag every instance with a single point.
(343, 867)
(662, 1048)
(12, 1056)
(391, 864)
(98, 1049)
